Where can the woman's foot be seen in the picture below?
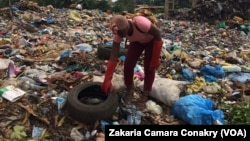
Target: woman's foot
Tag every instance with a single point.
(141, 103)
(144, 96)
(129, 97)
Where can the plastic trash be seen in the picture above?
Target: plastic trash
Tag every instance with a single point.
(103, 124)
(232, 68)
(4, 63)
(36, 132)
(75, 15)
(66, 53)
(187, 75)
(79, 6)
(93, 133)
(139, 75)
(27, 83)
(245, 68)
(76, 135)
(212, 73)
(87, 135)
(11, 93)
(138, 68)
(133, 115)
(153, 107)
(222, 24)
(13, 70)
(238, 19)
(193, 109)
(240, 76)
(14, 8)
(110, 44)
(165, 90)
(123, 58)
(45, 31)
(50, 19)
(61, 101)
(84, 47)
(212, 88)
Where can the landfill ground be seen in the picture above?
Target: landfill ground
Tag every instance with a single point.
(47, 52)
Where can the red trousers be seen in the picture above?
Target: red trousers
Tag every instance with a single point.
(135, 50)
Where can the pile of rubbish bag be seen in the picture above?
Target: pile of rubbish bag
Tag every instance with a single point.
(211, 10)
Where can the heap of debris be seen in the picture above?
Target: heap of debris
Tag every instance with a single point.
(211, 10)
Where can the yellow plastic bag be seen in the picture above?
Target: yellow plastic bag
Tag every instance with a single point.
(74, 15)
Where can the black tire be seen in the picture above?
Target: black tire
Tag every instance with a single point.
(90, 113)
(103, 52)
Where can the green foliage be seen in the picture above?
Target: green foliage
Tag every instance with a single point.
(150, 2)
(118, 6)
(123, 5)
(238, 114)
(54, 3)
(5, 3)
(103, 5)
(88, 4)
(159, 2)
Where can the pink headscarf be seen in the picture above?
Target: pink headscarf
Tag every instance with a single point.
(118, 22)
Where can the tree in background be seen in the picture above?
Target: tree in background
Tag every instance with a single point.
(55, 3)
(5, 3)
(123, 5)
(103, 5)
(118, 6)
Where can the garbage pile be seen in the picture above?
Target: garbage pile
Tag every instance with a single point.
(46, 53)
(211, 10)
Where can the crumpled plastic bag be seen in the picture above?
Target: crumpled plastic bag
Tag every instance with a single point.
(212, 73)
(75, 15)
(133, 115)
(153, 107)
(76, 135)
(193, 109)
(187, 74)
(240, 76)
(84, 47)
(4, 63)
(196, 85)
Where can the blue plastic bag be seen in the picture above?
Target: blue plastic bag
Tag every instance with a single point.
(193, 109)
(241, 76)
(187, 74)
(110, 44)
(84, 47)
(50, 19)
(212, 73)
(66, 53)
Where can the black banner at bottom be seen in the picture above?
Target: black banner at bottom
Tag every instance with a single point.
(207, 132)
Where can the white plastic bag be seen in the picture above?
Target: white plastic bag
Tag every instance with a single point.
(153, 107)
(166, 90)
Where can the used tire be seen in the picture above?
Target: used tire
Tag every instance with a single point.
(89, 113)
(103, 51)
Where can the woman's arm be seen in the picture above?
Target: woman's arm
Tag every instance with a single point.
(155, 31)
(115, 51)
